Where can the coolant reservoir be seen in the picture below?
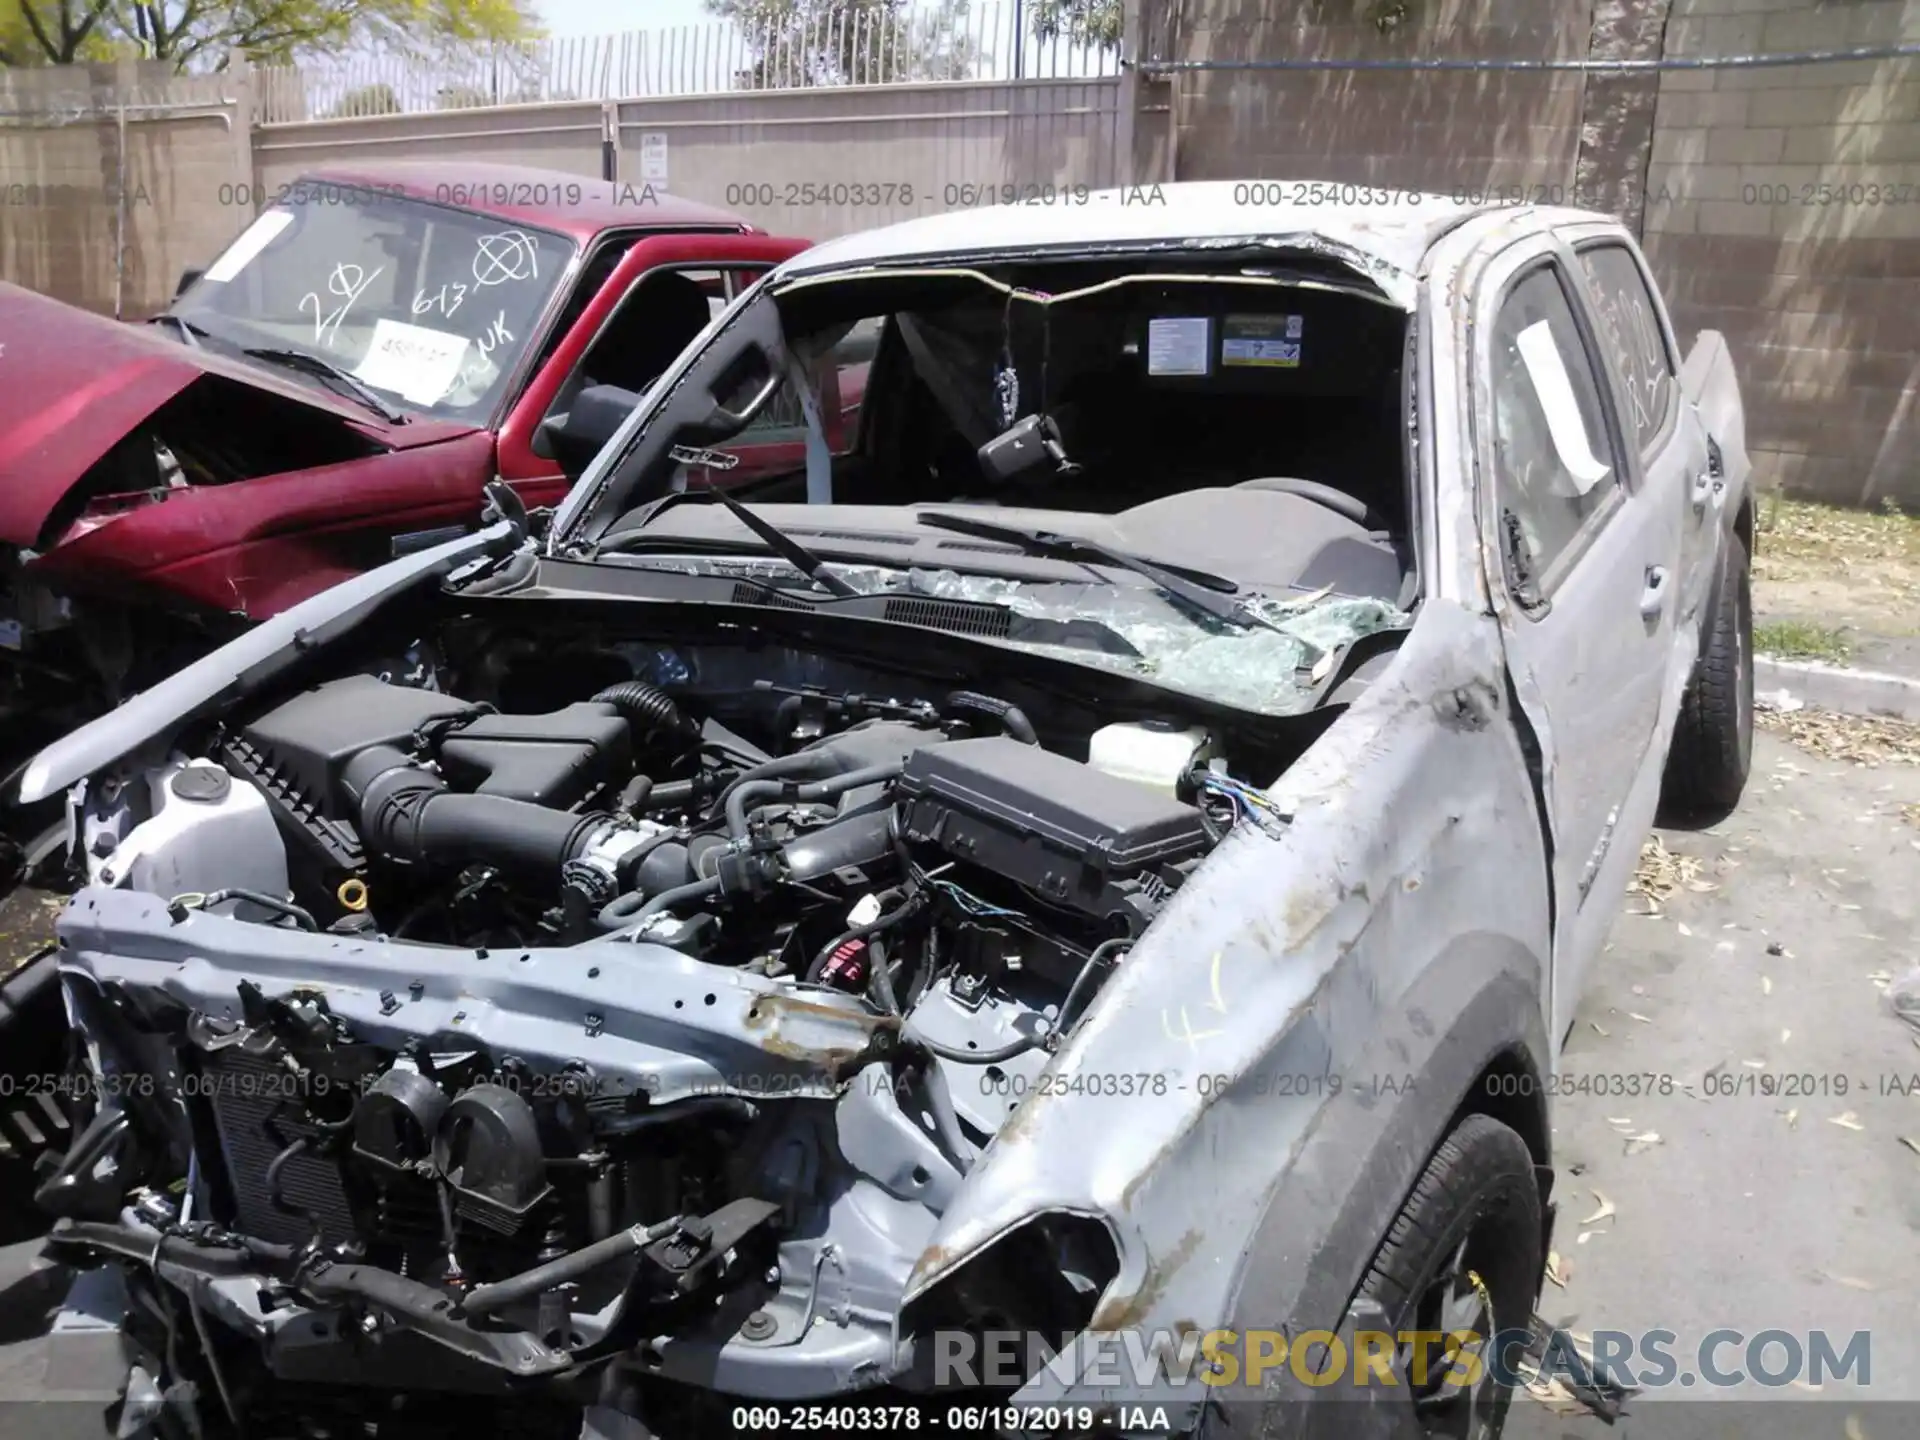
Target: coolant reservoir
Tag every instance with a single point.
(1155, 754)
(207, 832)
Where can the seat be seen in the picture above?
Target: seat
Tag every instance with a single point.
(1267, 537)
(660, 319)
(1337, 500)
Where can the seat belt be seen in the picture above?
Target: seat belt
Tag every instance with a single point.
(819, 458)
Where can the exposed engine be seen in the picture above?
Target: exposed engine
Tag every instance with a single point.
(555, 1035)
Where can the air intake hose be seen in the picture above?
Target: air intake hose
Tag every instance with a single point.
(647, 708)
(408, 814)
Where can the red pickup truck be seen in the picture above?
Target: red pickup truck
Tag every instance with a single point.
(336, 388)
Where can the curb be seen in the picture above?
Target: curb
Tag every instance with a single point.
(1836, 687)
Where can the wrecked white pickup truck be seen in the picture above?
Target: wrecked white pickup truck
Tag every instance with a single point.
(1109, 850)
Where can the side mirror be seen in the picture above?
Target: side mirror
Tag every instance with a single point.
(189, 277)
(596, 415)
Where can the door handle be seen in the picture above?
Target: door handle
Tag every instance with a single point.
(1654, 598)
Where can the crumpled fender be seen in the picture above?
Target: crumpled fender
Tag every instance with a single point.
(1340, 988)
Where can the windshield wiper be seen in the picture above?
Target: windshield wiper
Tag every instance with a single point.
(327, 370)
(1197, 589)
(189, 332)
(775, 539)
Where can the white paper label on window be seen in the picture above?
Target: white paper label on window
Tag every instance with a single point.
(255, 238)
(413, 362)
(1547, 369)
(1179, 346)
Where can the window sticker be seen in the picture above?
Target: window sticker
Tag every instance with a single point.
(1266, 341)
(255, 238)
(1179, 345)
(418, 364)
(1547, 369)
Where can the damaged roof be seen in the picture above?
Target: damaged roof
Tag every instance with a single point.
(1397, 228)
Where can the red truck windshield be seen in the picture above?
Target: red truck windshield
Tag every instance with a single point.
(430, 305)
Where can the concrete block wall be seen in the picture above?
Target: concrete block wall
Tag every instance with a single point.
(815, 163)
(105, 214)
(1784, 211)
(1432, 131)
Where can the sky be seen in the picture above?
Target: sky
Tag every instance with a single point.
(602, 17)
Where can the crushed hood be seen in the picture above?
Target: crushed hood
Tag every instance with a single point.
(74, 384)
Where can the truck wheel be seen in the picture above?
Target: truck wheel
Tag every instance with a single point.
(1712, 747)
(1463, 1254)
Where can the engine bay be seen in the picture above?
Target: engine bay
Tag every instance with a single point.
(682, 1009)
(396, 807)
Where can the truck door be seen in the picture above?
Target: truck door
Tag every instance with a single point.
(656, 302)
(1587, 556)
(1668, 443)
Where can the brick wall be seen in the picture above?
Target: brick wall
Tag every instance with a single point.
(1817, 293)
(1720, 170)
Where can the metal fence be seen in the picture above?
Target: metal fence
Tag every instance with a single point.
(971, 41)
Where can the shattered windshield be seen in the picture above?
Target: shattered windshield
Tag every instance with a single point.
(428, 305)
(1271, 669)
(1209, 463)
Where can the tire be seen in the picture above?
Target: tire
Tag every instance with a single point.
(1712, 747)
(1475, 1208)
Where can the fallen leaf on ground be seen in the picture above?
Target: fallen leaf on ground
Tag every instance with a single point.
(1553, 1394)
(1603, 1211)
(1792, 1117)
(1644, 1141)
(1596, 1028)
(1911, 1143)
(1846, 1121)
(1660, 873)
(1861, 739)
(1766, 986)
(1557, 1270)
(1851, 1282)
(1785, 1035)
(1855, 1430)
(1754, 1064)
(1636, 1015)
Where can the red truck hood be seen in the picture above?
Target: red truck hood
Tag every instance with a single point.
(73, 384)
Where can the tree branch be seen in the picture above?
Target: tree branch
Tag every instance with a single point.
(31, 15)
(78, 36)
